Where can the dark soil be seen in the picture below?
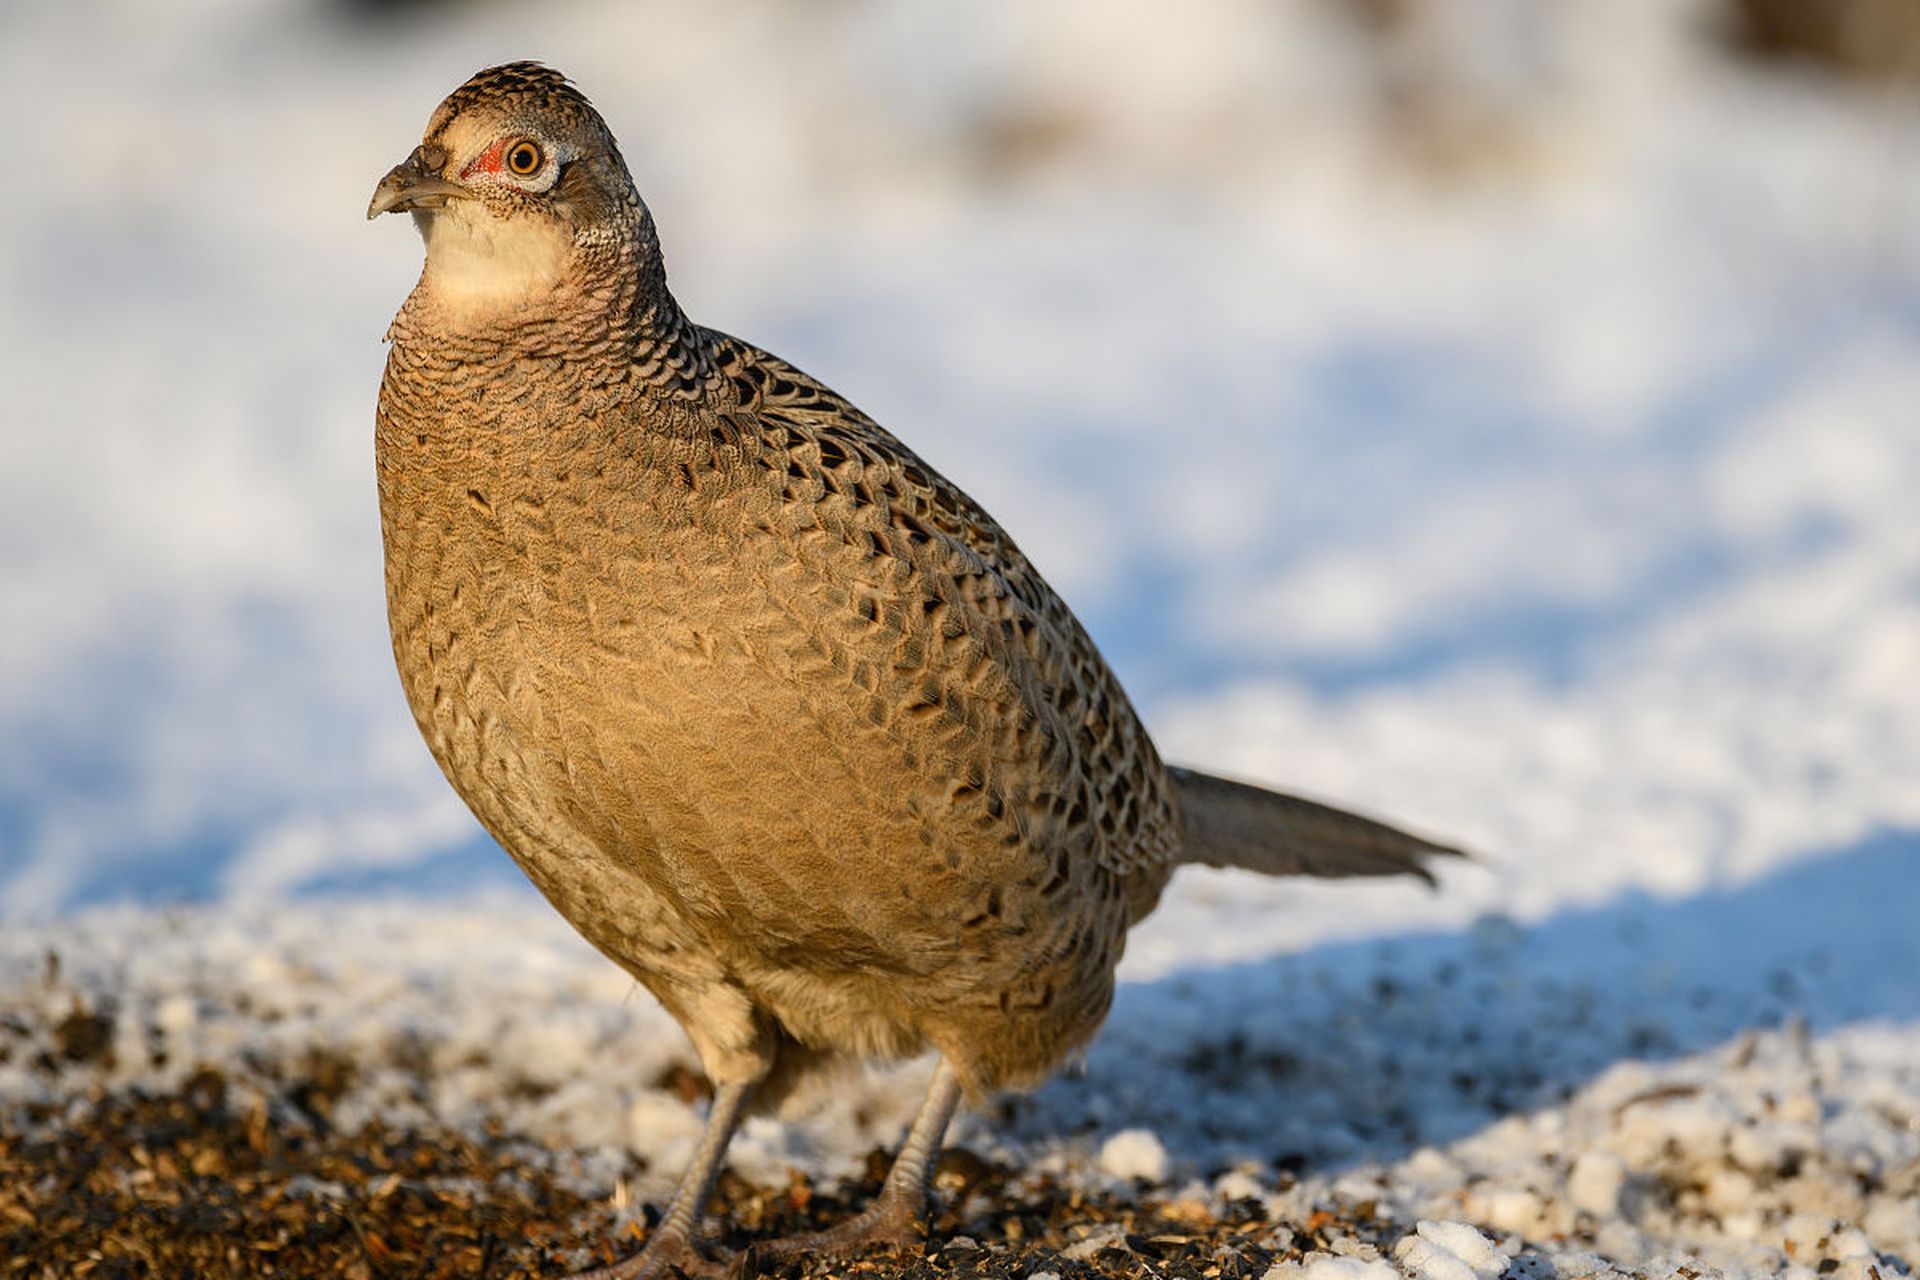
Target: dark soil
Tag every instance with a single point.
(187, 1185)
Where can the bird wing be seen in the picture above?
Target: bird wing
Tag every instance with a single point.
(965, 576)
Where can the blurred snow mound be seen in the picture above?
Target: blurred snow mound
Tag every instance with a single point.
(1496, 413)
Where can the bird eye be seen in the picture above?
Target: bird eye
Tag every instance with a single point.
(524, 158)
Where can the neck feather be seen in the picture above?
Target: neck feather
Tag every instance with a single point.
(479, 266)
(496, 292)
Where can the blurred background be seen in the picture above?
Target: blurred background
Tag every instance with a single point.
(1498, 414)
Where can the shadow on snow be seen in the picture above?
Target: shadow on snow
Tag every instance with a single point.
(1369, 1050)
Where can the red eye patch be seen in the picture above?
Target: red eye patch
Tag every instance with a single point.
(487, 161)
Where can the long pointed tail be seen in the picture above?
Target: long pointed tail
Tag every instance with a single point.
(1231, 824)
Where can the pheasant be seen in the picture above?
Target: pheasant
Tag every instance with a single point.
(774, 714)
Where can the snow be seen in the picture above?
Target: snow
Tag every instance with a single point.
(1559, 502)
(1449, 1251)
(1570, 1088)
(1328, 1267)
(1535, 466)
(1595, 1183)
(1134, 1153)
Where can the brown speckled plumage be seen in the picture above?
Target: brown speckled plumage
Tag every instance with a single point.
(773, 713)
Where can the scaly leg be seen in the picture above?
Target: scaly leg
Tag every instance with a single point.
(674, 1243)
(896, 1216)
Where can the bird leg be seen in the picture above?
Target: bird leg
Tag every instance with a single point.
(673, 1245)
(898, 1213)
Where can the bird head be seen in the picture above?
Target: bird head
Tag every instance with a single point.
(515, 179)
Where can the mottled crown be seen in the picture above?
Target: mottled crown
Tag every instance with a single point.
(513, 88)
(593, 188)
(523, 95)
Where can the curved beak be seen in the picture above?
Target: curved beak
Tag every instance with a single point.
(415, 183)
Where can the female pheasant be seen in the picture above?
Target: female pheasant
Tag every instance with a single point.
(774, 714)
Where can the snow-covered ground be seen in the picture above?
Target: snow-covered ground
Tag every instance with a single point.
(1508, 428)
(1647, 1086)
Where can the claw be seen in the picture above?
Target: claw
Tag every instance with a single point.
(892, 1221)
(665, 1254)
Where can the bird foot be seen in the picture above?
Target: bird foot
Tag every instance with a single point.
(891, 1220)
(667, 1254)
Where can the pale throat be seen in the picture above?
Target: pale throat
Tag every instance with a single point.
(478, 263)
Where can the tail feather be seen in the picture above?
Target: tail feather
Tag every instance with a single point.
(1231, 824)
